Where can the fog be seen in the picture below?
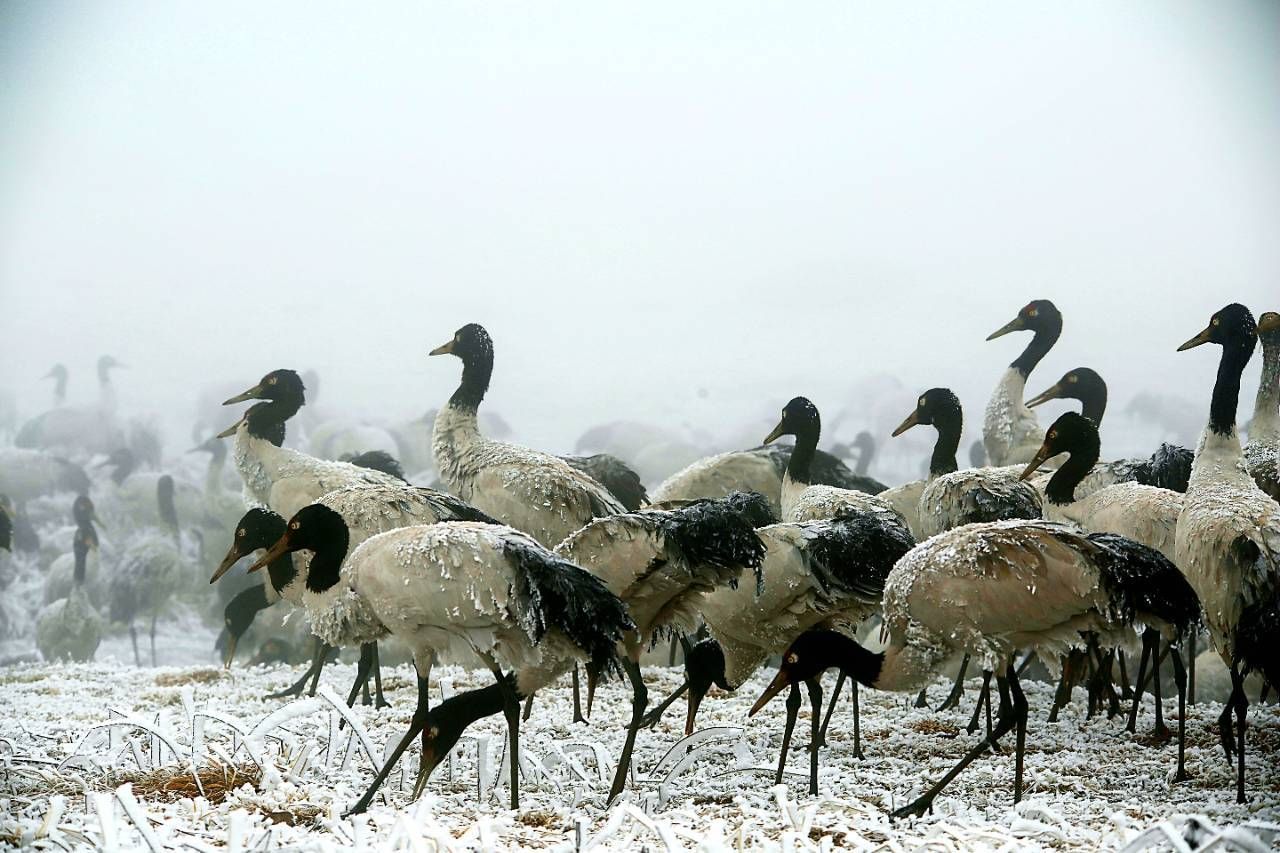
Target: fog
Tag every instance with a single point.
(682, 214)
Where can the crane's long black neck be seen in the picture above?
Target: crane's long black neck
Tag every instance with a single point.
(853, 660)
(1039, 347)
(82, 559)
(1062, 485)
(104, 377)
(802, 454)
(326, 565)
(281, 571)
(123, 468)
(1093, 402)
(1268, 400)
(60, 388)
(1226, 390)
(949, 423)
(477, 369)
(266, 420)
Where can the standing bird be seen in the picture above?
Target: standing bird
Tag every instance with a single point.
(940, 409)
(660, 563)
(1010, 430)
(1262, 453)
(143, 582)
(529, 490)
(70, 628)
(802, 499)
(1228, 538)
(988, 589)
(1168, 468)
(77, 430)
(458, 590)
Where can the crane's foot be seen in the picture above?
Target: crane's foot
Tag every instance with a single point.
(918, 808)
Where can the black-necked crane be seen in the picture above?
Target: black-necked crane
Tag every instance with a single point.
(1228, 537)
(1010, 431)
(71, 628)
(1262, 452)
(988, 589)
(455, 590)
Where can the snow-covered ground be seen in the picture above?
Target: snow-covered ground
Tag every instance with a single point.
(1090, 785)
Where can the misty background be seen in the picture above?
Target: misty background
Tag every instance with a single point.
(680, 214)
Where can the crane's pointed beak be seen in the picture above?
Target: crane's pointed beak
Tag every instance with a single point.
(778, 431)
(443, 349)
(1034, 465)
(775, 687)
(1014, 325)
(233, 557)
(232, 639)
(273, 553)
(1202, 338)
(254, 393)
(229, 431)
(912, 419)
(1051, 394)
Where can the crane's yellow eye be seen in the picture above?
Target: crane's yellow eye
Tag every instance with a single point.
(271, 380)
(293, 525)
(1072, 379)
(1215, 321)
(240, 534)
(793, 658)
(1031, 312)
(1053, 433)
(921, 403)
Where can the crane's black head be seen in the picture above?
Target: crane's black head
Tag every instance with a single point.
(1037, 316)
(318, 529)
(798, 417)
(703, 667)
(469, 342)
(212, 446)
(1071, 433)
(58, 372)
(1231, 326)
(444, 724)
(1079, 384)
(258, 528)
(83, 512)
(935, 407)
(108, 362)
(865, 442)
(239, 615)
(282, 385)
(810, 655)
(122, 463)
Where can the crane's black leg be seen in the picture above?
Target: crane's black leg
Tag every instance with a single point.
(1006, 721)
(313, 672)
(984, 698)
(380, 701)
(1180, 679)
(1126, 691)
(1191, 667)
(957, 689)
(511, 710)
(362, 673)
(1020, 715)
(639, 701)
(793, 709)
(1142, 676)
(651, 719)
(133, 635)
(1062, 696)
(1241, 705)
(416, 725)
(835, 697)
(1161, 730)
(577, 698)
(528, 708)
(815, 713)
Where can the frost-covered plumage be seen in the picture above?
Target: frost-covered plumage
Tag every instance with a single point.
(660, 562)
(615, 475)
(70, 627)
(976, 495)
(939, 408)
(1262, 452)
(26, 474)
(527, 489)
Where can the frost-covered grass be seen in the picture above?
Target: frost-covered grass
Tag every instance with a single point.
(1091, 786)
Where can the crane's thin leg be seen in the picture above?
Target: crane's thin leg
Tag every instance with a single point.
(835, 697)
(957, 689)
(1026, 662)
(857, 723)
(380, 701)
(1142, 675)
(312, 671)
(639, 701)
(153, 639)
(793, 708)
(1126, 691)
(133, 635)
(1180, 679)
(1161, 730)
(1241, 705)
(1020, 714)
(815, 713)
(362, 673)
(511, 710)
(577, 698)
(1006, 721)
(528, 708)
(1062, 696)
(651, 719)
(416, 725)
(1191, 667)
(984, 698)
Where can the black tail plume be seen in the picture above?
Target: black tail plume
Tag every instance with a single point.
(1141, 580)
(721, 532)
